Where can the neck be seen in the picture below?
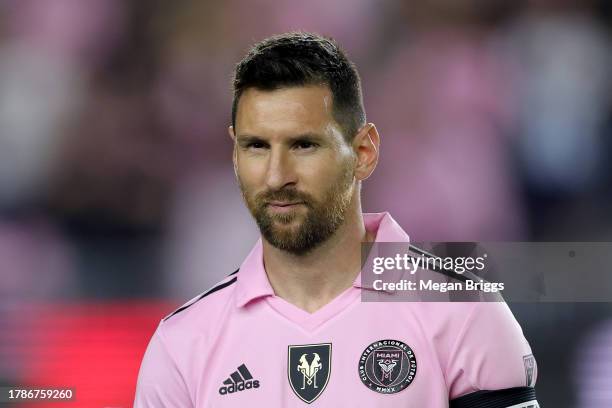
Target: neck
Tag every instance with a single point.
(312, 280)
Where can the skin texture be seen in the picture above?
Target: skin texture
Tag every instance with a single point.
(301, 181)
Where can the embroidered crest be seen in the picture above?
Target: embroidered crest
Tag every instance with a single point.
(308, 368)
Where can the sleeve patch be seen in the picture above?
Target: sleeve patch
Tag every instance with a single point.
(530, 369)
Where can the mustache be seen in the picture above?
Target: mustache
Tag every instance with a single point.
(286, 194)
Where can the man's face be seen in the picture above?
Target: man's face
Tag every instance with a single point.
(293, 164)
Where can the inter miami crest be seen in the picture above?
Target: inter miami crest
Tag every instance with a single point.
(308, 367)
(387, 366)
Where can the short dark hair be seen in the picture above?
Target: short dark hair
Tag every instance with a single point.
(299, 59)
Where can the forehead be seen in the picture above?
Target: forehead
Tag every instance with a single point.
(285, 110)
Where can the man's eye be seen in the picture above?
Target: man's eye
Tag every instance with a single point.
(255, 145)
(305, 145)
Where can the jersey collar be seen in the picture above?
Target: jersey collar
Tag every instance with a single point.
(253, 282)
(387, 230)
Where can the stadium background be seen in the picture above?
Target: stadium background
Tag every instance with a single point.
(117, 195)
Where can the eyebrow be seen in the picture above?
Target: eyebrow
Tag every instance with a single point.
(247, 138)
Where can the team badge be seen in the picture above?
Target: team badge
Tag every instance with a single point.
(530, 369)
(308, 368)
(387, 366)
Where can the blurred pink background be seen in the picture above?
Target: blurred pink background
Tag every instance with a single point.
(117, 194)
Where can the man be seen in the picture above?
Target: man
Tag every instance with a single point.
(289, 328)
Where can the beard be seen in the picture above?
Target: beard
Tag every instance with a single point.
(320, 220)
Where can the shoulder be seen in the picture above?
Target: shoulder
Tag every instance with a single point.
(454, 321)
(179, 345)
(201, 312)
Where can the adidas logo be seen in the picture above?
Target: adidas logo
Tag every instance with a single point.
(239, 380)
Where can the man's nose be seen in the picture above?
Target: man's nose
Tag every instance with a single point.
(281, 170)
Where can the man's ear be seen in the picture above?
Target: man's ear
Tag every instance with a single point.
(232, 135)
(366, 146)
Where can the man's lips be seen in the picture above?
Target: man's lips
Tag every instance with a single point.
(281, 207)
(283, 204)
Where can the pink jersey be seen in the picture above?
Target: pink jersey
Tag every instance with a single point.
(239, 345)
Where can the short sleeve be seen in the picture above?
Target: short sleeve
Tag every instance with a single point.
(160, 383)
(491, 357)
